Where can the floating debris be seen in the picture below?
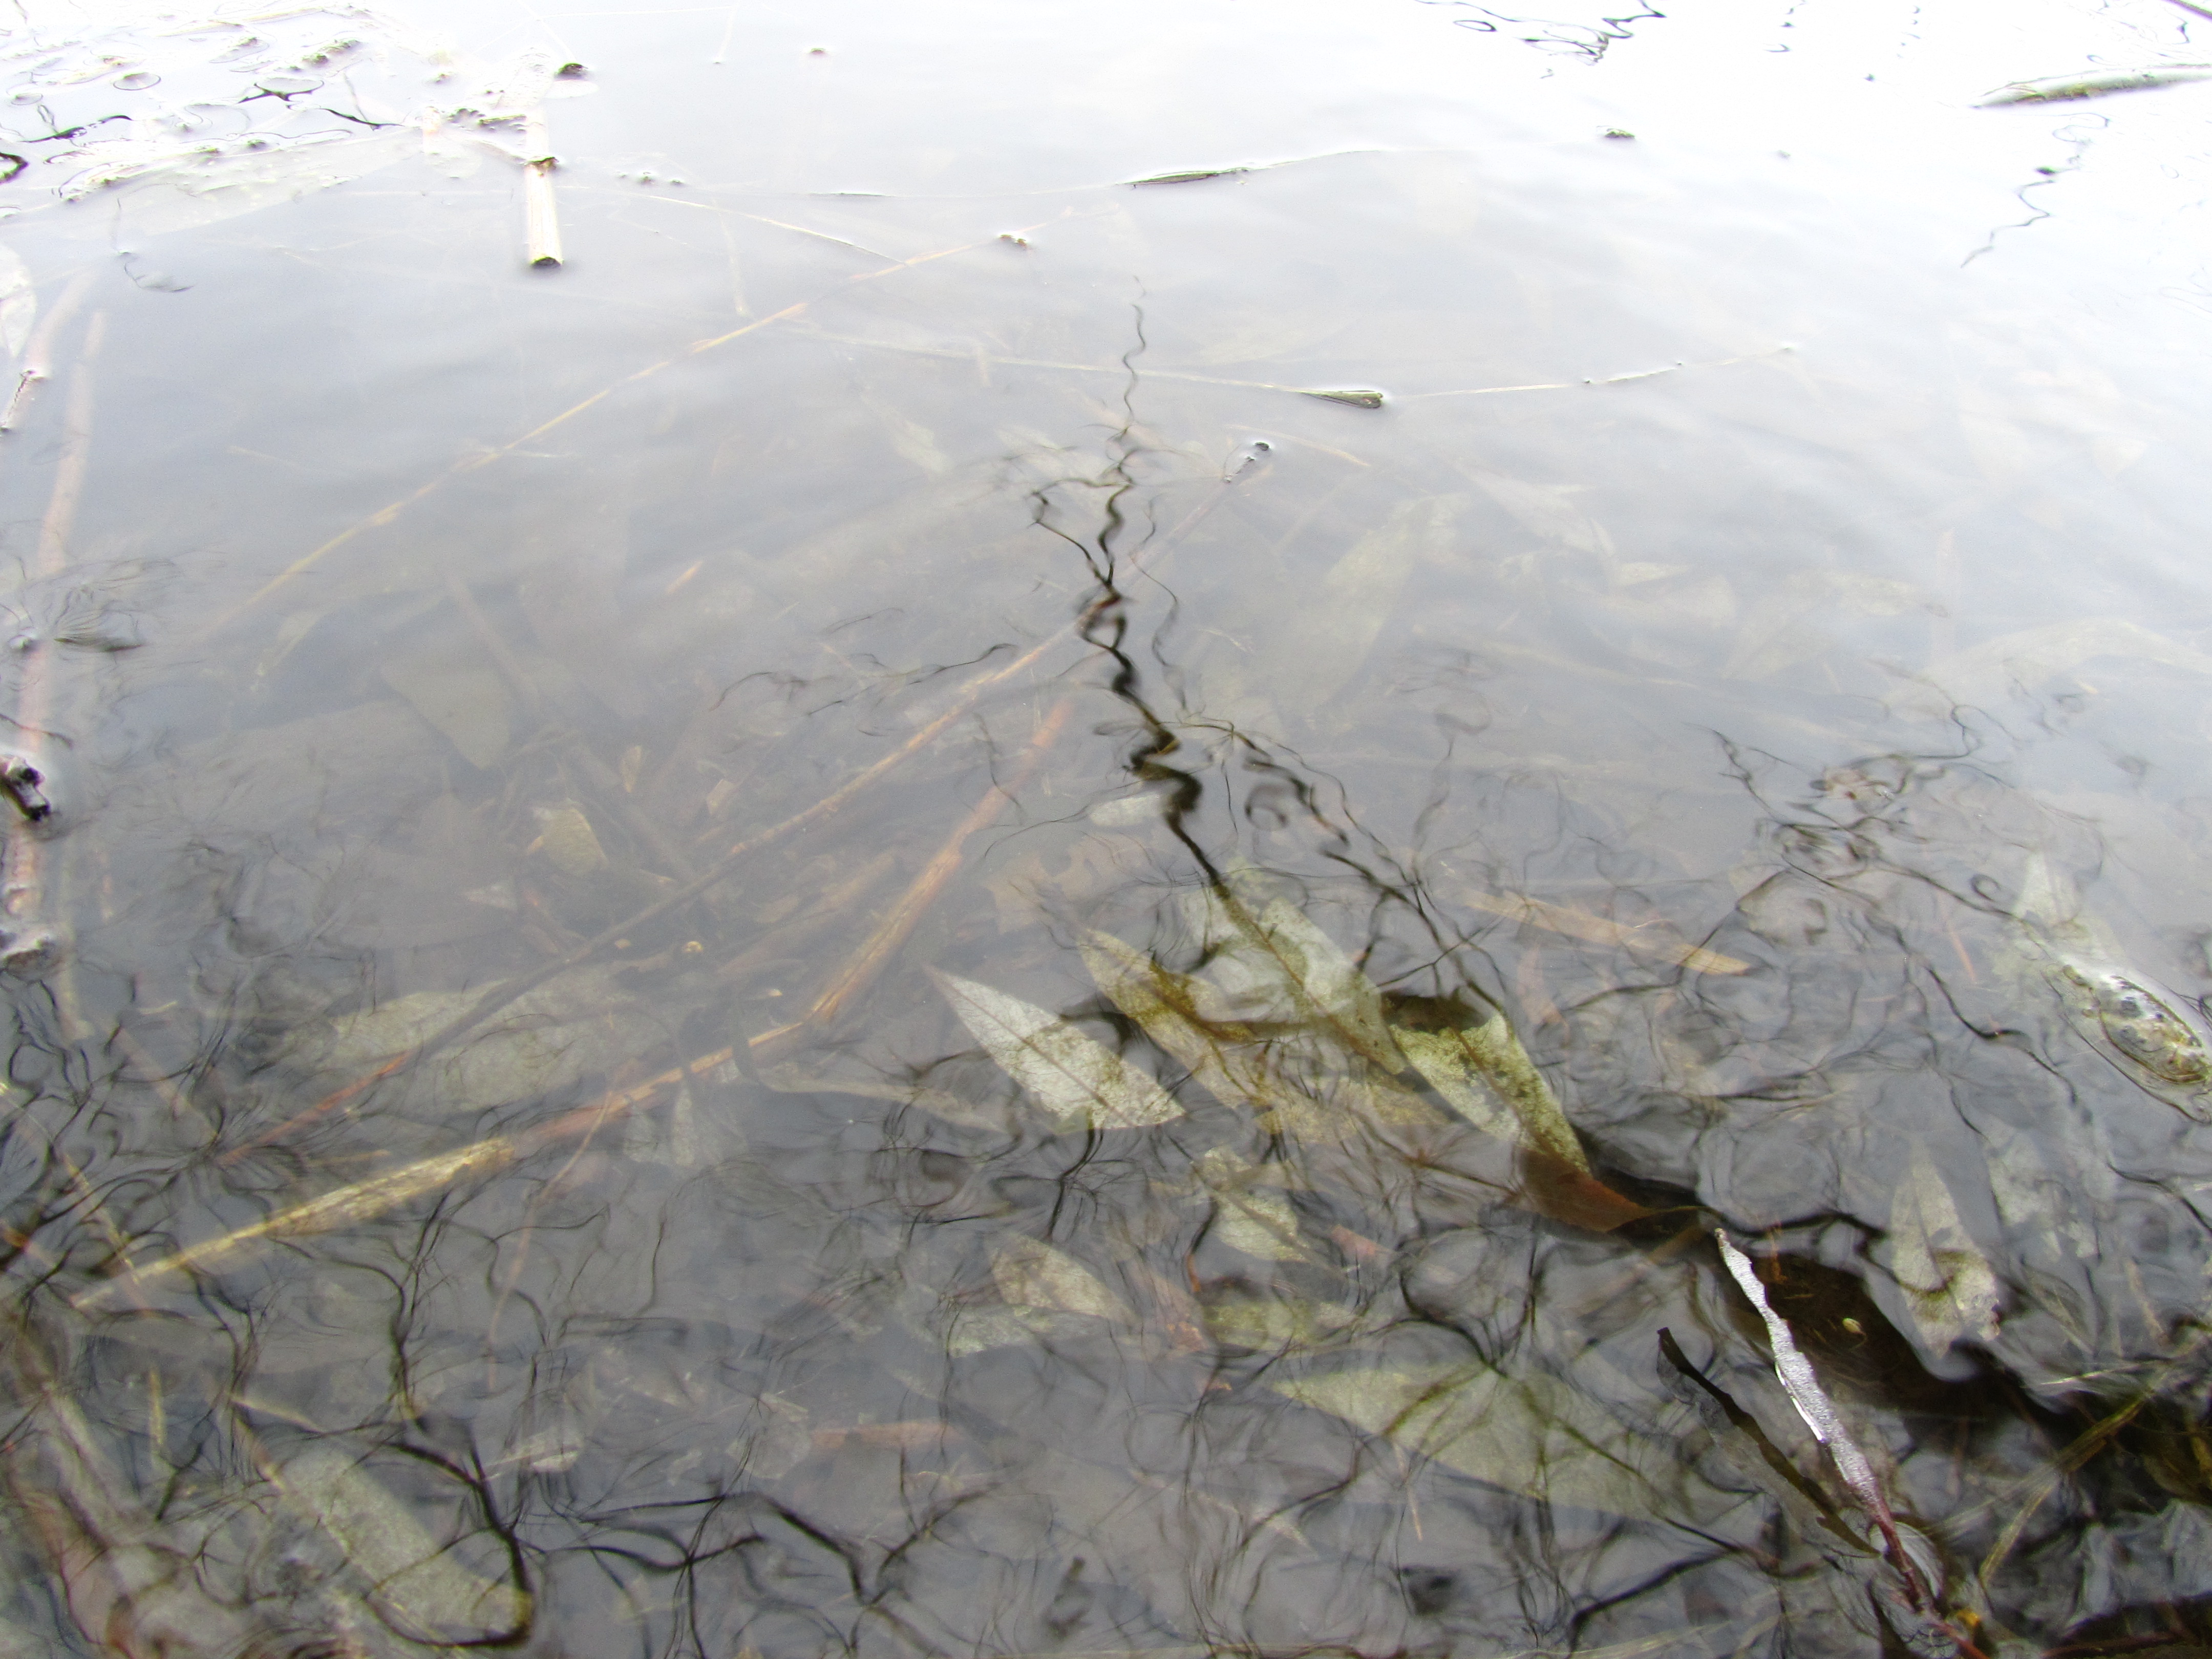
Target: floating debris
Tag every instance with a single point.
(1193, 176)
(2094, 83)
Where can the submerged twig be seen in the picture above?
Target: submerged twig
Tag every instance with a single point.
(365, 1200)
(501, 995)
(899, 924)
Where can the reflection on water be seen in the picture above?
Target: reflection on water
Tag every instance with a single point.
(1444, 898)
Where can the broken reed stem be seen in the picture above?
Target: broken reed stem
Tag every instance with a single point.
(385, 514)
(899, 925)
(500, 995)
(541, 215)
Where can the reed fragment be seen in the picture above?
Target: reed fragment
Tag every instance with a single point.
(542, 214)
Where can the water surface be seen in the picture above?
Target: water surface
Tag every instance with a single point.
(1030, 877)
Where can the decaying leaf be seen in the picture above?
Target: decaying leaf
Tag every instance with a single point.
(1442, 1059)
(1031, 1273)
(1294, 1078)
(1276, 1322)
(1950, 1289)
(569, 1029)
(417, 1583)
(2094, 83)
(1253, 1213)
(1984, 674)
(1267, 963)
(1076, 1078)
(1534, 1435)
(1653, 938)
(1479, 1068)
(567, 839)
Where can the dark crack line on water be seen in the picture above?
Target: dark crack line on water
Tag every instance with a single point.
(2049, 176)
(1588, 41)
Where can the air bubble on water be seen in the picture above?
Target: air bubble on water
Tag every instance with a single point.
(137, 80)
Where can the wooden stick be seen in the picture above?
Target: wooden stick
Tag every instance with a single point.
(542, 215)
(899, 925)
(500, 995)
(365, 1200)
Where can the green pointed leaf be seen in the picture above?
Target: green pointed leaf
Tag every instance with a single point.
(1075, 1079)
(1486, 1076)
(1496, 1055)
(1277, 1322)
(1440, 1057)
(1295, 1081)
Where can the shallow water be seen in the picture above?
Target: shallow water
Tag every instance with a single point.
(951, 904)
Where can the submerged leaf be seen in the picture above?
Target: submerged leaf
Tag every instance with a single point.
(1268, 962)
(1327, 639)
(1534, 1435)
(1252, 1216)
(1985, 674)
(569, 1029)
(1442, 1059)
(1950, 1288)
(1293, 1080)
(1077, 1079)
(2094, 83)
(1031, 1273)
(568, 839)
(1277, 1322)
(417, 1581)
(1475, 1068)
